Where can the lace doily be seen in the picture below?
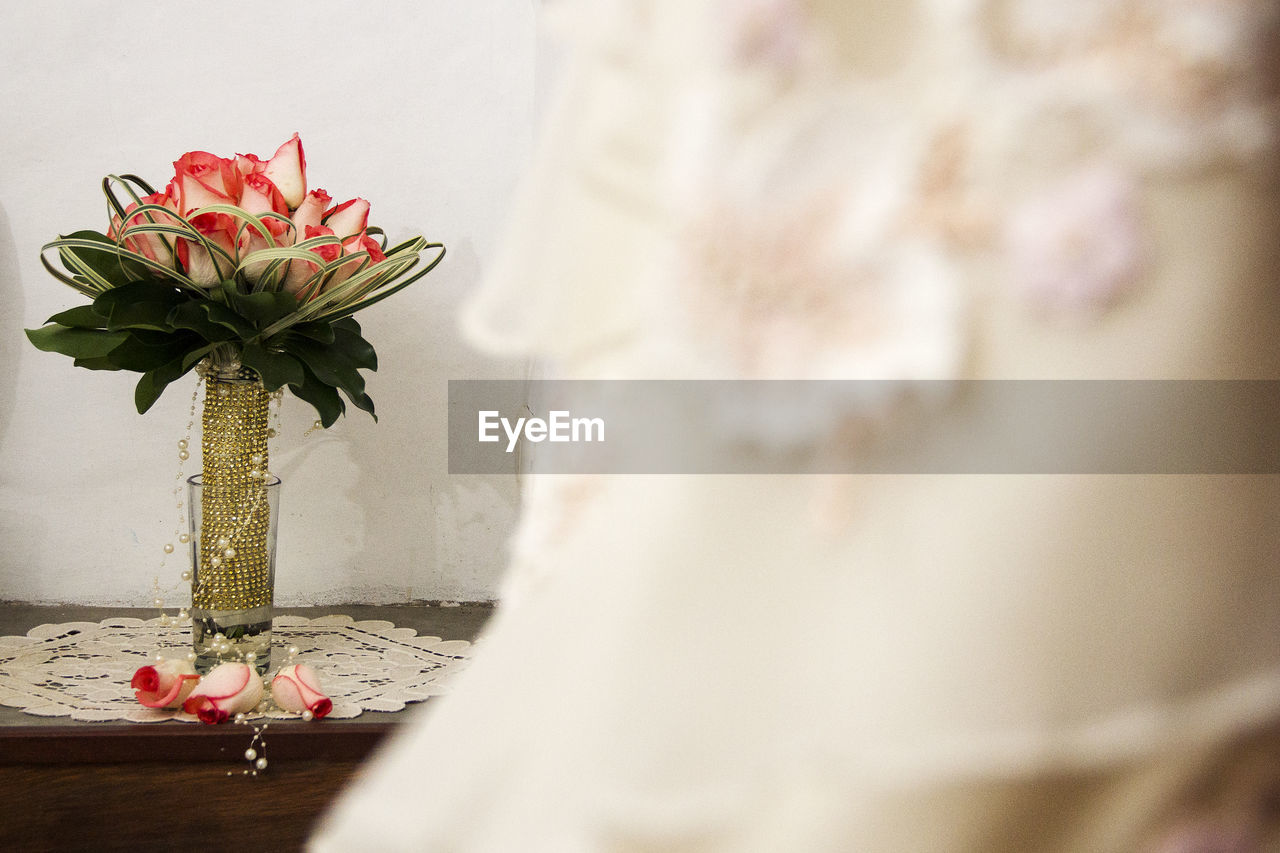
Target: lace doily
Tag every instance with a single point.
(82, 669)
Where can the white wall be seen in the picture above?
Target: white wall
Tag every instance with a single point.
(424, 107)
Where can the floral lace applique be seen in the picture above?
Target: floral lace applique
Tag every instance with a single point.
(1023, 131)
(1075, 249)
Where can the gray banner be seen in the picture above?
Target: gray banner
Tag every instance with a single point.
(830, 427)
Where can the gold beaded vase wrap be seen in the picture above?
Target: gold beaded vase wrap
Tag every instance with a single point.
(234, 455)
(233, 522)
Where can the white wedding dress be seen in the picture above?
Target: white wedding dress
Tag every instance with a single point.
(935, 189)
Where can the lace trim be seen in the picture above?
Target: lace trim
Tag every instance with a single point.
(82, 669)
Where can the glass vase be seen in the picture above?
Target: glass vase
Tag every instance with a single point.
(234, 511)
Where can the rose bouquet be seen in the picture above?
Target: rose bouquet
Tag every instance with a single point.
(235, 262)
(238, 270)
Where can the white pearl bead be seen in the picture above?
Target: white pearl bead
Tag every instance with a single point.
(215, 561)
(191, 656)
(159, 658)
(222, 542)
(261, 764)
(307, 715)
(250, 754)
(184, 538)
(256, 459)
(219, 637)
(250, 657)
(318, 425)
(240, 717)
(184, 455)
(158, 602)
(182, 444)
(168, 547)
(186, 576)
(229, 553)
(255, 473)
(293, 650)
(182, 614)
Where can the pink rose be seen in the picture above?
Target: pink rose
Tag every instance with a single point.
(229, 688)
(287, 169)
(310, 212)
(300, 272)
(353, 247)
(364, 243)
(202, 179)
(249, 164)
(297, 688)
(349, 218)
(261, 196)
(201, 266)
(150, 245)
(166, 684)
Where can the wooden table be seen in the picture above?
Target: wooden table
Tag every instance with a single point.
(67, 786)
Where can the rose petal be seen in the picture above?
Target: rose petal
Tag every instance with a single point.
(225, 680)
(311, 211)
(164, 685)
(349, 218)
(297, 688)
(229, 688)
(178, 691)
(287, 169)
(146, 678)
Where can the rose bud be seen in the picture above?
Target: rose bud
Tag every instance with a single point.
(287, 169)
(146, 243)
(296, 688)
(349, 218)
(364, 243)
(202, 179)
(202, 267)
(229, 688)
(165, 684)
(310, 212)
(298, 279)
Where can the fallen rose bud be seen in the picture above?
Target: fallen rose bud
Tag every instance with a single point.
(229, 688)
(165, 684)
(296, 688)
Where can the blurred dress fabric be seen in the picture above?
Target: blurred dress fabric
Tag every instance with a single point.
(937, 189)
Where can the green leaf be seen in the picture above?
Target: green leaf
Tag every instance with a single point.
(224, 316)
(80, 317)
(194, 316)
(321, 332)
(100, 253)
(140, 305)
(260, 309)
(363, 402)
(153, 383)
(77, 343)
(142, 315)
(356, 349)
(143, 352)
(103, 363)
(329, 364)
(190, 359)
(277, 369)
(325, 399)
